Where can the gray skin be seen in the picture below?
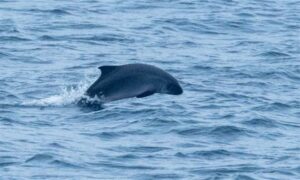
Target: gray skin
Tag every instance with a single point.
(132, 80)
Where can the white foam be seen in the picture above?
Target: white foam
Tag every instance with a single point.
(67, 96)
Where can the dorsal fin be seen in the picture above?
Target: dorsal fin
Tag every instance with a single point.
(105, 70)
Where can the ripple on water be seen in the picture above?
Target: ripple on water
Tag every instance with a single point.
(50, 11)
(106, 135)
(10, 122)
(57, 145)
(274, 54)
(274, 106)
(261, 122)
(215, 154)
(230, 169)
(65, 164)
(229, 131)
(48, 38)
(226, 131)
(124, 166)
(243, 177)
(158, 176)
(107, 38)
(5, 164)
(159, 123)
(13, 39)
(39, 158)
(143, 149)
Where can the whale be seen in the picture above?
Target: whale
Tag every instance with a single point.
(131, 80)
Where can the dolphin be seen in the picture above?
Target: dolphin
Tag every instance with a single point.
(132, 80)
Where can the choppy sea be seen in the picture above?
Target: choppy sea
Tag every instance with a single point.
(237, 61)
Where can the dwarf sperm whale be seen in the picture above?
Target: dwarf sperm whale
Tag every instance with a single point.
(132, 80)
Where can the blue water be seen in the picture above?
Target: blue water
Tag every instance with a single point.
(237, 61)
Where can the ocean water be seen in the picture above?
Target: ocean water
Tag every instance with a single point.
(237, 61)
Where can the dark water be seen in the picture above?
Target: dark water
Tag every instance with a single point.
(238, 63)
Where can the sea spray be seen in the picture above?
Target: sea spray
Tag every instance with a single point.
(67, 95)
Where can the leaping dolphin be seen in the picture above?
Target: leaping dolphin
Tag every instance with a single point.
(132, 80)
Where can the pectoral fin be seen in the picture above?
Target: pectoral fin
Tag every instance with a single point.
(145, 94)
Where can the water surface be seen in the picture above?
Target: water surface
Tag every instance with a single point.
(237, 61)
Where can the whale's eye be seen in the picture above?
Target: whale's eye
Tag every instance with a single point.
(174, 89)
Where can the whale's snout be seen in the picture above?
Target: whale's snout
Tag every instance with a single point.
(174, 89)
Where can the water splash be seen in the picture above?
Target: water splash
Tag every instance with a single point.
(67, 96)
